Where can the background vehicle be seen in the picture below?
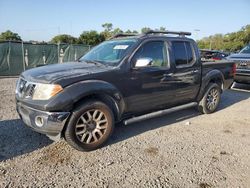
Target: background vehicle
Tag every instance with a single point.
(242, 60)
(212, 55)
(128, 78)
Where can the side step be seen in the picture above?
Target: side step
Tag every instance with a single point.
(159, 113)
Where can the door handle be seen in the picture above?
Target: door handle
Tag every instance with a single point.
(168, 75)
(195, 71)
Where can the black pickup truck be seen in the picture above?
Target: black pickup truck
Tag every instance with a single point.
(125, 79)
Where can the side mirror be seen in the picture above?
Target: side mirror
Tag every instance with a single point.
(143, 62)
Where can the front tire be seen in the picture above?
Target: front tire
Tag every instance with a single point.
(90, 126)
(211, 99)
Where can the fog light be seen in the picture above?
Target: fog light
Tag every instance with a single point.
(39, 121)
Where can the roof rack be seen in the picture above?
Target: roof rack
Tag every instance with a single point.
(180, 33)
(122, 35)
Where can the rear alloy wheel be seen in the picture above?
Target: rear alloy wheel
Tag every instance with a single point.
(211, 99)
(90, 126)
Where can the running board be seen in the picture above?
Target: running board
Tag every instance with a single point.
(159, 113)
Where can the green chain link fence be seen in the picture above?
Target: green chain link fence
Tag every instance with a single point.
(15, 57)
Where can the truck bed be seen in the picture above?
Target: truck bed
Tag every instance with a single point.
(224, 66)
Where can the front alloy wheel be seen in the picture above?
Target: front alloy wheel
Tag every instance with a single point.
(90, 126)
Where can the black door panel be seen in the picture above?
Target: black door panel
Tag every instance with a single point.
(187, 72)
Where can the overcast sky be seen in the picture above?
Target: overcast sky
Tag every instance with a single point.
(41, 20)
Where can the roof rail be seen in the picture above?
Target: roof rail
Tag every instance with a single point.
(181, 33)
(122, 35)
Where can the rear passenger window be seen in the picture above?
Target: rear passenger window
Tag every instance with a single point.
(183, 52)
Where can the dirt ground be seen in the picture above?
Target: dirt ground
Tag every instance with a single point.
(182, 149)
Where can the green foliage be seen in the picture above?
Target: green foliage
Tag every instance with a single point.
(230, 42)
(107, 26)
(107, 30)
(131, 32)
(145, 29)
(91, 38)
(64, 39)
(9, 35)
(117, 31)
(162, 29)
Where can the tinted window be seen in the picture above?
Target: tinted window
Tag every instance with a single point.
(179, 53)
(155, 50)
(183, 53)
(189, 50)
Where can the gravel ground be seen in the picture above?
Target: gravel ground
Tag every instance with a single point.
(183, 149)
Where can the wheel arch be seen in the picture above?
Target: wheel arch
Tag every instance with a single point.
(214, 76)
(99, 90)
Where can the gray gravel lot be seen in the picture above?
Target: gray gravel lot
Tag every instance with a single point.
(183, 149)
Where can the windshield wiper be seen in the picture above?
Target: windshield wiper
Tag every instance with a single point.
(92, 62)
(96, 62)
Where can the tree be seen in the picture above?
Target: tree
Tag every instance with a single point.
(107, 30)
(91, 38)
(9, 35)
(117, 31)
(230, 42)
(162, 29)
(145, 29)
(64, 39)
(135, 32)
(132, 32)
(107, 26)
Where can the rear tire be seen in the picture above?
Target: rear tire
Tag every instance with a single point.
(211, 99)
(90, 126)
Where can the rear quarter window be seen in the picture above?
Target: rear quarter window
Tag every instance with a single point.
(183, 53)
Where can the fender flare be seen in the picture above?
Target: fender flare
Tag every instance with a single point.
(76, 92)
(214, 76)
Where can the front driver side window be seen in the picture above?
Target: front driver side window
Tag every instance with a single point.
(156, 50)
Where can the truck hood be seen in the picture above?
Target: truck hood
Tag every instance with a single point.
(56, 72)
(239, 57)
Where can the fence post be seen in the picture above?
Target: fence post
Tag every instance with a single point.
(23, 57)
(8, 57)
(58, 52)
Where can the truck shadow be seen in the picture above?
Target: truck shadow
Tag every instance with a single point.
(16, 139)
(123, 132)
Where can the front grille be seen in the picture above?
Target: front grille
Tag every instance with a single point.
(243, 64)
(25, 89)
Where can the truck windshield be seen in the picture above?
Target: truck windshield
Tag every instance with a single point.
(245, 50)
(109, 52)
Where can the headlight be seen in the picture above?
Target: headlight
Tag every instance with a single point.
(46, 91)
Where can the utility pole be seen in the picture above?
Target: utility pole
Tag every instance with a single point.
(58, 28)
(196, 33)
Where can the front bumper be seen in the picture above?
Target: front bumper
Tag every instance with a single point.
(52, 122)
